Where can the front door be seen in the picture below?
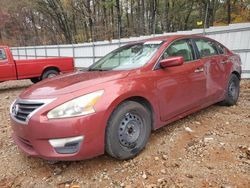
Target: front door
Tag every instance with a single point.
(7, 69)
(180, 88)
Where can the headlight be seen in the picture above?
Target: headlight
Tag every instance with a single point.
(77, 107)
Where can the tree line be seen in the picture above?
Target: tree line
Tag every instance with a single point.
(29, 22)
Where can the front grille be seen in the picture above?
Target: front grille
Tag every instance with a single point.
(25, 110)
(22, 109)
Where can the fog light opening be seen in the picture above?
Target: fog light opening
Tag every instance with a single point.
(67, 145)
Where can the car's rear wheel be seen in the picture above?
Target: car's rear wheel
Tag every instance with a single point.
(128, 130)
(35, 80)
(232, 91)
(49, 74)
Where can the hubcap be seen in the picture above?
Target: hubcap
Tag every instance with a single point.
(51, 75)
(232, 90)
(130, 129)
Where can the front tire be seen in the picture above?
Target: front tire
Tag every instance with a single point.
(128, 130)
(232, 91)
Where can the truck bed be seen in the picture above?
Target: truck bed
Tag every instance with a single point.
(32, 67)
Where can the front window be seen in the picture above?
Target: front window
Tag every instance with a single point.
(128, 57)
(179, 48)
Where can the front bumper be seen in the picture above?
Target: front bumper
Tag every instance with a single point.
(34, 139)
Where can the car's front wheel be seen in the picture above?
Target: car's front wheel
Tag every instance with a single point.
(232, 91)
(128, 130)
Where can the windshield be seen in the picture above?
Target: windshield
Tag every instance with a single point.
(127, 57)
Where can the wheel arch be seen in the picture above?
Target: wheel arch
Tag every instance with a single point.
(50, 68)
(237, 74)
(136, 98)
(145, 102)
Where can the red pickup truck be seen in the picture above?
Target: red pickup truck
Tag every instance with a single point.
(33, 69)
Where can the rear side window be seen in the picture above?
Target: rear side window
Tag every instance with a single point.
(179, 48)
(206, 48)
(2, 54)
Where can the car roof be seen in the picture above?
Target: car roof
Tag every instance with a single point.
(168, 38)
(174, 37)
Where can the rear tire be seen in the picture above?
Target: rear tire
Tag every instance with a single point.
(128, 130)
(49, 74)
(35, 80)
(232, 91)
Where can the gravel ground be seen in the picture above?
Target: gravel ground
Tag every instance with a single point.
(210, 148)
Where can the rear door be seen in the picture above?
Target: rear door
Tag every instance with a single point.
(213, 66)
(7, 68)
(226, 63)
(181, 88)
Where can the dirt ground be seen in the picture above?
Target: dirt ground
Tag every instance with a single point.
(210, 148)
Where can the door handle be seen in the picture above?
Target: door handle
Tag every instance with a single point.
(199, 70)
(224, 61)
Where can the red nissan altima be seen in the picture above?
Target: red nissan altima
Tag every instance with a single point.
(115, 105)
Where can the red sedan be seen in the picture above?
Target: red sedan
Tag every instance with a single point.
(115, 105)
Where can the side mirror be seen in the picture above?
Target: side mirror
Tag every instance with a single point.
(172, 61)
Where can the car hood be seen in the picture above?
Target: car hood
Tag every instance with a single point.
(70, 83)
